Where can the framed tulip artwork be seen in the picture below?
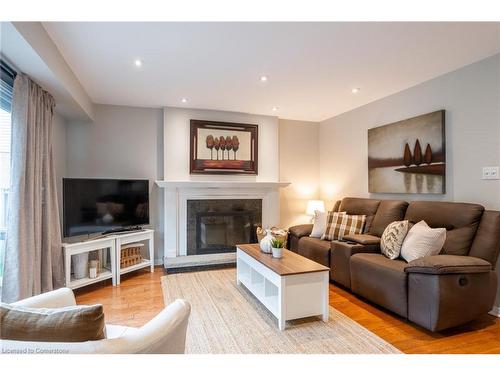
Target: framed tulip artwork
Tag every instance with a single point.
(223, 148)
(408, 156)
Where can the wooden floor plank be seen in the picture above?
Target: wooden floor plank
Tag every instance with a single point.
(139, 298)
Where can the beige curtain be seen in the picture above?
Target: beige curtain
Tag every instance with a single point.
(33, 256)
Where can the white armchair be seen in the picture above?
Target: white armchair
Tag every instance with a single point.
(164, 334)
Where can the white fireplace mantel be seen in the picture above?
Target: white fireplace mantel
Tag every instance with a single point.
(177, 193)
(221, 184)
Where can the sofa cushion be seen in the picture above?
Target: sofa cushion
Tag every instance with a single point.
(315, 249)
(388, 211)
(393, 237)
(422, 241)
(319, 223)
(115, 331)
(339, 225)
(381, 280)
(460, 220)
(66, 324)
(361, 206)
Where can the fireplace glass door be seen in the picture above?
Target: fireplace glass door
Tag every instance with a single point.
(218, 225)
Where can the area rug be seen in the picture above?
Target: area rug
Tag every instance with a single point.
(226, 318)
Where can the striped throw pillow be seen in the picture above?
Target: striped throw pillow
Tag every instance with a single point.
(339, 225)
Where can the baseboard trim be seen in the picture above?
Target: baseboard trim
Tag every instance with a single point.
(495, 311)
(158, 262)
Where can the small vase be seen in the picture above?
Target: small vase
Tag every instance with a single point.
(277, 252)
(265, 243)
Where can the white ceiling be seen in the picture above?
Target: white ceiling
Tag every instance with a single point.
(312, 67)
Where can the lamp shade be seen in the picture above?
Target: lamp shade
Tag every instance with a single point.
(315, 205)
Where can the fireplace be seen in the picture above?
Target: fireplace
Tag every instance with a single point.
(215, 226)
(264, 195)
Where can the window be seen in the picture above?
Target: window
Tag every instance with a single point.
(7, 76)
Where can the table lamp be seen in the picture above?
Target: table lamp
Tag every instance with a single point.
(314, 205)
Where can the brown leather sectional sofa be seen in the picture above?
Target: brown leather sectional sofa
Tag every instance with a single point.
(435, 292)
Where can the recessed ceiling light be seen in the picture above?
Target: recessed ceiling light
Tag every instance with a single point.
(138, 62)
(275, 109)
(355, 90)
(263, 78)
(184, 100)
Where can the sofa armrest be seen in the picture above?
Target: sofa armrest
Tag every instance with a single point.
(448, 264)
(295, 233)
(62, 297)
(301, 230)
(363, 239)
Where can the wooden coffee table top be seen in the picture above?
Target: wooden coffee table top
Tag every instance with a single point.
(290, 264)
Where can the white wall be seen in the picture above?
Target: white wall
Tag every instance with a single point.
(122, 142)
(299, 164)
(176, 135)
(471, 98)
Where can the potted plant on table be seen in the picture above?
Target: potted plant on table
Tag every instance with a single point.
(277, 247)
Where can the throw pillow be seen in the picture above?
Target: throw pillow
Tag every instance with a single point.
(67, 324)
(392, 238)
(422, 241)
(319, 224)
(339, 225)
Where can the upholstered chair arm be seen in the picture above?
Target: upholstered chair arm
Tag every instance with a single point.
(62, 297)
(165, 333)
(448, 264)
(301, 230)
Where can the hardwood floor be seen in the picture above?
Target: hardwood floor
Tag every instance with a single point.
(139, 298)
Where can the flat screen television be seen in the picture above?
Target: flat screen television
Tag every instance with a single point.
(102, 205)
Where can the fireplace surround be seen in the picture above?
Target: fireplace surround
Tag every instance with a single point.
(175, 210)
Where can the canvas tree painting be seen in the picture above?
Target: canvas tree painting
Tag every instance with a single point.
(408, 156)
(223, 148)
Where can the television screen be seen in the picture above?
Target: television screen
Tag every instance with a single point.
(99, 205)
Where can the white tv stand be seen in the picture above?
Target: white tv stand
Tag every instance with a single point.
(113, 242)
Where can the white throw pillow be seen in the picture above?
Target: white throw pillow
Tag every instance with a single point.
(393, 237)
(319, 224)
(422, 241)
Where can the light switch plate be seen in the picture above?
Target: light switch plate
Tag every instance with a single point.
(490, 173)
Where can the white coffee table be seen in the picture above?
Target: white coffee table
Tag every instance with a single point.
(291, 287)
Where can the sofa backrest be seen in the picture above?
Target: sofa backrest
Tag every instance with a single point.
(387, 212)
(486, 243)
(336, 206)
(461, 221)
(360, 206)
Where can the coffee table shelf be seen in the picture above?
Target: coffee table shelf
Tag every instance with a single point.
(292, 287)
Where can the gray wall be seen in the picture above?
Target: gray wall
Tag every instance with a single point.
(122, 142)
(471, 98)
